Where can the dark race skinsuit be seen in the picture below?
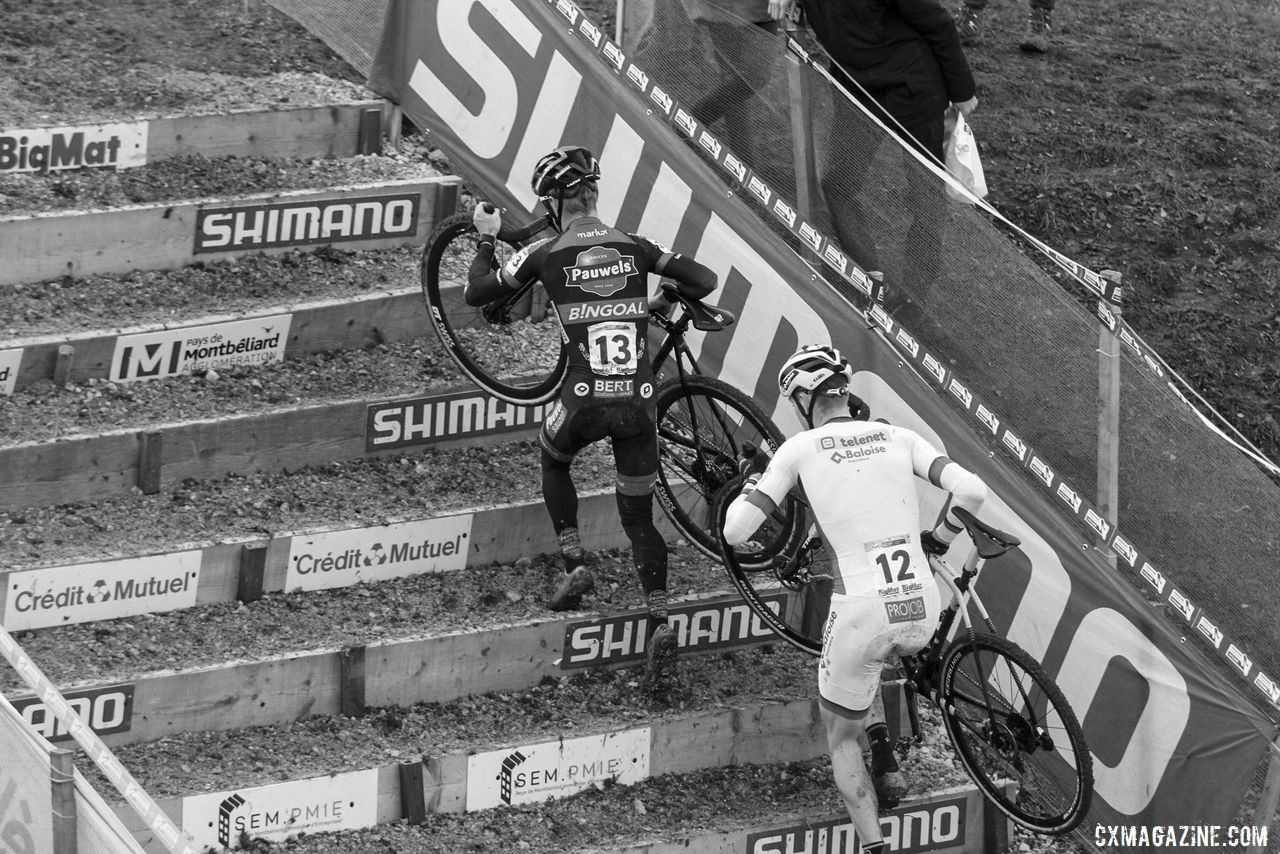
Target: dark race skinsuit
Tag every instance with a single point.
(598, 279)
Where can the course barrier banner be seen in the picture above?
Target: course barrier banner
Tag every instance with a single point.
(951, 821)
(10, 361)
(44, 150)
(84, 592)
(427, 420)
(338, 802)
(342, 558)
(155, 819)
(701, 626)
(106, 709)
(554, 769)
(499, 83)
(304, 223)
(26, 803)
(169, 352)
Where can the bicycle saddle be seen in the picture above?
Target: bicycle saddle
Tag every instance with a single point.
(706, 317)
(990, 542)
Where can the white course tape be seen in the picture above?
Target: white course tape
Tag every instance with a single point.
(165, 830)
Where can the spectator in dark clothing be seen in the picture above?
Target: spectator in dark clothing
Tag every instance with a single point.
(743, 71)
(903, 61)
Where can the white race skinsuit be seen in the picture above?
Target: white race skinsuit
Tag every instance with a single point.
(859, 479)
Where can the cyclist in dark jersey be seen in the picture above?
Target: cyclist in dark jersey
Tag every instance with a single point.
(597, 278)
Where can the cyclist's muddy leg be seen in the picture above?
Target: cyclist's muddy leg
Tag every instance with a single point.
(845, 729)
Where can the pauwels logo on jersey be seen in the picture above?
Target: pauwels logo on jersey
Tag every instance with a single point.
(600, 270)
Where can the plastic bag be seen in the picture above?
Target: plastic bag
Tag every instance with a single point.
(962, 160)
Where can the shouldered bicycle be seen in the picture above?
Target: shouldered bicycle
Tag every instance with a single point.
(513, 349)
(1005, 717)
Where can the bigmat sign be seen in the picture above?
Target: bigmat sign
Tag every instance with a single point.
(501, 82)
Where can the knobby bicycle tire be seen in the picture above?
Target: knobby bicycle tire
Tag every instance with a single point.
(703, 425)
(791, 594)
(1044, 753)
(512, 348)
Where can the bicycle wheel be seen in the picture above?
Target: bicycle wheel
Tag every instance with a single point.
(703, 424)
(791, 594)
(1020, 729)
(510, 348)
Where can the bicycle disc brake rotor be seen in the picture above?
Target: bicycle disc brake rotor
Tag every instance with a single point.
(1028, 739)
(792, 575)
(714, 473)
(498, 313)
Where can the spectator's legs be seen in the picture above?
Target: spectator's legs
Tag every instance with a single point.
(969, 21)
(927, 208)
(742, 72)
(1039, 26)
(844, 163)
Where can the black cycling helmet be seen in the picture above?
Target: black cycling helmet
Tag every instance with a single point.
(565, 168)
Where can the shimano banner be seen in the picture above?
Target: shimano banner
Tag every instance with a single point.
(500, 82)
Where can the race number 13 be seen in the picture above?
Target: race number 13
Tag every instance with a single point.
(612, 347)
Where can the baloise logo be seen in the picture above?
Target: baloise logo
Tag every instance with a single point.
(600, 270)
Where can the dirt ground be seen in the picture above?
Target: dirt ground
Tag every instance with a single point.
(1145, 140)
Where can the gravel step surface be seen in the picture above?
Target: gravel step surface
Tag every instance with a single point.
(280, 624)
(44, 411)
(252, 284)
(590, 702)
(664, 808)
(195, 176)
(350, 493)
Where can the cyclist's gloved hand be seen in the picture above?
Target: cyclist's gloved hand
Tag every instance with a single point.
(932, 545)
(486, 219)
(754, 461)
(858, 408)
(661, 302)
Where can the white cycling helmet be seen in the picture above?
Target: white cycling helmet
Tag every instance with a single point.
(811, 369)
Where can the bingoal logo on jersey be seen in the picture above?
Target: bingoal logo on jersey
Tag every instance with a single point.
(600, 270)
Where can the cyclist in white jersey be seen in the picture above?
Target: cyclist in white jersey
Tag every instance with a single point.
(859, 478)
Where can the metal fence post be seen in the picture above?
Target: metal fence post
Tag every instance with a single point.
(1109, 416)
(63, 777)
